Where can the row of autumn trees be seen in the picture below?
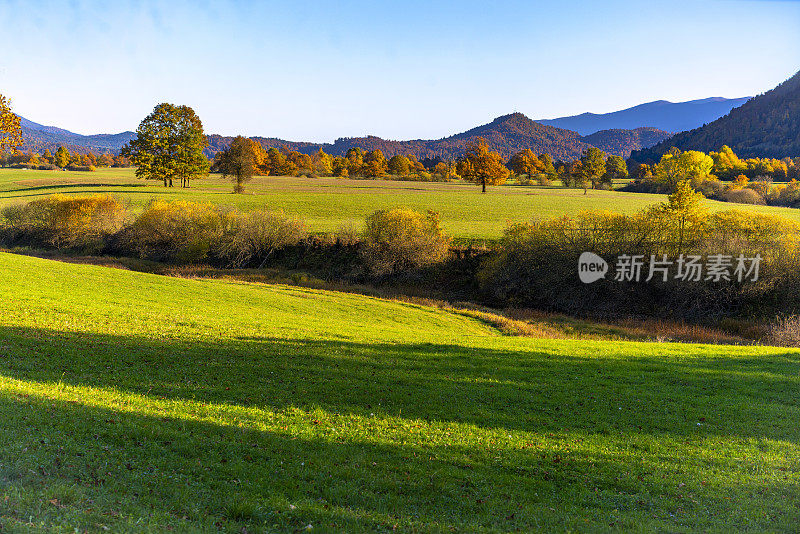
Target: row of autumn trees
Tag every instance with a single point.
(355, 163)
(747, 181)
(62, 159)
(724, 165)
(170, 142)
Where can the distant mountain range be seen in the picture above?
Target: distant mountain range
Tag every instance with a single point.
(37, 138)
(661, 114)
(619, 133)
(507, 134)
(766, 126)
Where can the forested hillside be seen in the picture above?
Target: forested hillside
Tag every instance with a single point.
(38, 138)
(623, 142)
(766, 126)
(507, 135)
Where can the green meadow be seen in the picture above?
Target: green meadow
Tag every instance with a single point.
(142, 403)
(329, 204)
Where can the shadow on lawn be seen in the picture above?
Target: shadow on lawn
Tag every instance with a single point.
(46, 188)
(548, 390)
(121, 466)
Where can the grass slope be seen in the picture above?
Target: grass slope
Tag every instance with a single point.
(135, 402)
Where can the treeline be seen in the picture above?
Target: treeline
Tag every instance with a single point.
(357, 163)
(245, 158)
(62, 159)
(723, 176)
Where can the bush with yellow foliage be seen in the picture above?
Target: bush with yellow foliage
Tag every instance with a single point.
(401, 239)
(178, 231)
(67, 222)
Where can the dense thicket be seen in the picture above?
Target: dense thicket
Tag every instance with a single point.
(537, 263)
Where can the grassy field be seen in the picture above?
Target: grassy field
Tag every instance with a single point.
(135, 402)
(329, 204)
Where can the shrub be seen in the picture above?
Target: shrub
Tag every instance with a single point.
(743, 231)
(710, 186)
(67, 222)
(743, 196)
(784, 331)
(47, 167)
(178, 231)
(761, 185)
(790, 194)
(256, 235)
(536, 264)
(401, 239)
(81, 168)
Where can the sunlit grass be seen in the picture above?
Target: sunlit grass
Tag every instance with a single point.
(328, 204)
(141, 403)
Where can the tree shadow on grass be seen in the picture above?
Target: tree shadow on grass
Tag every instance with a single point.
(751, 397)
(45, 188)
(66, 463)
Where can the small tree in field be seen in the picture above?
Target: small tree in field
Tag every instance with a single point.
(593, 166)
(239, 161)
(525, 162)
(684, 209)
(482, 166)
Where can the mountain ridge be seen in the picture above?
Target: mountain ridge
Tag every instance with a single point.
(506, 134)
(660, 114)
(767, 125)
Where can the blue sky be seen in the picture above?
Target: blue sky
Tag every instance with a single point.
(313, 70)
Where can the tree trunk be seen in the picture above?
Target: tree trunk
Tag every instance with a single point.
(483, 184)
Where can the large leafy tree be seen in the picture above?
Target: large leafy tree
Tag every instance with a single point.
(239, 161)
(616, 169)
(169, 145)
(593, 166)
(677, 166)
(399, 165)
(547, 166)
(62, 157)
(525, 162)
(10, 129)
(375, 164)
(482, 166)
(355, 160)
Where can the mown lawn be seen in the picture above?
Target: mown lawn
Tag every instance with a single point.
(134, 402)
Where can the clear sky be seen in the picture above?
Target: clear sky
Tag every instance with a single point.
(314, 70)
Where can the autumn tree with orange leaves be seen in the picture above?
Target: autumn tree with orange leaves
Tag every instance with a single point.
(482, 166)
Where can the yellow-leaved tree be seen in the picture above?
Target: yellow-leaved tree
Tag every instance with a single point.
(683, 215)
(10, 129)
